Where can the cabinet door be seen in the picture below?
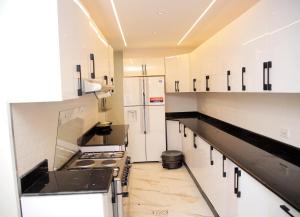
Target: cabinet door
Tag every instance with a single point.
(183, 70)
(231, 198)
(111, 64)
(202, 163)
(154, 66)
(279, 208)
(171, 74)
(173, 135)
(284, 45)
(254, 44)
(195, 70)
(133, 67)
(187, 146)
(249, 190)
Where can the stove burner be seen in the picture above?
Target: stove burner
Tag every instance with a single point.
(85, 163)
(109, 162)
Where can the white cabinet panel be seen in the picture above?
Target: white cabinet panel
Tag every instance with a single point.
(173, 135)
(177, 70)
(284, 48)
(144, 66)
(279, 208)
(133, 67)
(154, 66)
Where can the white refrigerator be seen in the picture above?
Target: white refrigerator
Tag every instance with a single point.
(144, 112)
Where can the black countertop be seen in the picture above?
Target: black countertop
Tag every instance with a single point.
(38, 182)
(116, 135)
(279, 175)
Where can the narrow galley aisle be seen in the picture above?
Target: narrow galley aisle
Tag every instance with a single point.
(155, 191)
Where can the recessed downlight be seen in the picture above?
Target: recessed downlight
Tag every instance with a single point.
(196, 22)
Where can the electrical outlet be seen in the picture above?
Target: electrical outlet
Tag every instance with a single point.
(284, 133)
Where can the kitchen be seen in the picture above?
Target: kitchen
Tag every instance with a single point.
(214, 79)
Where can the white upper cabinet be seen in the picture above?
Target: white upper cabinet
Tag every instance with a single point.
(144, 66)
(177, 73)
(56, 43)
(195, 71)
(111, 64)
(284, 46)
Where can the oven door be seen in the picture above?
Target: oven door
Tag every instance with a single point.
(122, 202)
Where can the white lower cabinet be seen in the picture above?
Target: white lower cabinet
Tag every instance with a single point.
(173, 135)
(279, 208)
(231, 190)
(187, 145)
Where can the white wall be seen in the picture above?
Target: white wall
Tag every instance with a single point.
(266, 114)
(116, 114)
(180, 102)
(35, 128)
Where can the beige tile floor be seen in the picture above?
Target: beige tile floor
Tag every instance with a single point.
(155, 191)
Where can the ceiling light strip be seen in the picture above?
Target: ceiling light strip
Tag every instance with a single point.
(118, 21)
(196, 22)
(91, 22)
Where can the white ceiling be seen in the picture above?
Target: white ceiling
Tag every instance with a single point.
(158, 25)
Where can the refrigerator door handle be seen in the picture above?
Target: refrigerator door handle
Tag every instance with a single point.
(142, 120)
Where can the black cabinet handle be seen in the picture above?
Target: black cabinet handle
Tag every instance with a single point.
(112, 81)
(92, 58)
(210, 155)
(268, 77)
(195, 145)
(106, 79)
(243, 72)
(79, 90)
(223, 172)
(228, 86)
(178, 86)
(184, 134)
(179, 127)
(194, 84)
(265, 85)
(286, 209)
(237, 174)
(207, 78)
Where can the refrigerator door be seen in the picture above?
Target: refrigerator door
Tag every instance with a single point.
(133, 91)
(155, 132)
(155, 90)
(135, 118)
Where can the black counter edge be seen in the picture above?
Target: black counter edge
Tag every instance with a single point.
(210, 205)
(282, 150)
(32, 176)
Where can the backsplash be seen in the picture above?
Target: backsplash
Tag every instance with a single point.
(273, 115)
(36, 127)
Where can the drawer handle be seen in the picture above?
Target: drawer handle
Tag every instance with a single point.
(92, 58)
(207, 78)
(268, 77)
(210, 155)
(228, 86)
(79, 90)
(223, 172)
(194, 84)
(179, 127)
(195, 145)
(286, 209)
(184, 134)
(243, 72)
(265, 85)
(237, 174)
